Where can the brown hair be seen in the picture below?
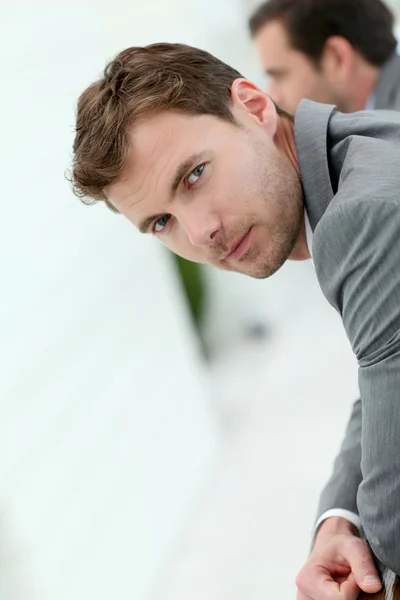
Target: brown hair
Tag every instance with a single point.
(366, 24)
(138, 82)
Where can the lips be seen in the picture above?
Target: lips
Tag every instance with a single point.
(239, 248)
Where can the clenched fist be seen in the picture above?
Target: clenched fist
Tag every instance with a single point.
(339, 566)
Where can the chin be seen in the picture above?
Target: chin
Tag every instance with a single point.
(264, 273)
(257, 271)
(262, 267)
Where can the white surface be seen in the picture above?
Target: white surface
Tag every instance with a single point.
(106, 433)
(283, 406)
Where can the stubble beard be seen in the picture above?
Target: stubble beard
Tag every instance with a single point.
(283, 229)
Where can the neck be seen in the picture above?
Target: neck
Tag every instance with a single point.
(285, 142)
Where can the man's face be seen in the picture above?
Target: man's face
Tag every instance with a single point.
(293, 76)
(212, 192)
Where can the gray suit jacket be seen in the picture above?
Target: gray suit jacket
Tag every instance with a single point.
(387, 89)
(350, 171)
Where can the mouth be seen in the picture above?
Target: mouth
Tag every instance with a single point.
(239, 248)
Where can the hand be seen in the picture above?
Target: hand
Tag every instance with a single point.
(339, 566)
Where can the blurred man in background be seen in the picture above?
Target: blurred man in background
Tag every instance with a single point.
(201, 158)
(340, 52)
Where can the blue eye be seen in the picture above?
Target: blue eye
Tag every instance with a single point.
(161, 223)
(195, 174)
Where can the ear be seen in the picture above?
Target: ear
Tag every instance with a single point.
(251, 101)
(338, 59)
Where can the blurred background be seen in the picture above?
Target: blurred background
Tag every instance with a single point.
(165, 431)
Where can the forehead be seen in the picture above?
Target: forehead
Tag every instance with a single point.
(273, 44)
(168, 130)
(273, 34)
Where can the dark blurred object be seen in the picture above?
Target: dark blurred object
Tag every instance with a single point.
(191, 275)
(383, 594)
(378, 596)
(258, 331)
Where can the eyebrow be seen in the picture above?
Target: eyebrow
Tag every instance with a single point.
(183, 168)
(275, 71)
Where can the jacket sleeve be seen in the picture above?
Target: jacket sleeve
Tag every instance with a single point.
(341, 490)
(357, 258)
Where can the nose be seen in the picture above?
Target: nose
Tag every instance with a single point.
(201, 230)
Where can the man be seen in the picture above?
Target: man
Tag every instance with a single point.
(199, 157)
(340, 52)
(333, 51)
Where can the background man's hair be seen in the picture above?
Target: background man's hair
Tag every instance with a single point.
(139, 82)
(366, 24)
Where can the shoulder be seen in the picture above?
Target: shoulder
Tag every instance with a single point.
(365, 156)
(366, 128)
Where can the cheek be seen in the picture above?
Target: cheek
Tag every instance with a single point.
(179, 243)
(289, 91)
(307, 82)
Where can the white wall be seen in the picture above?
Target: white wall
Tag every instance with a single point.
(106, 432)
